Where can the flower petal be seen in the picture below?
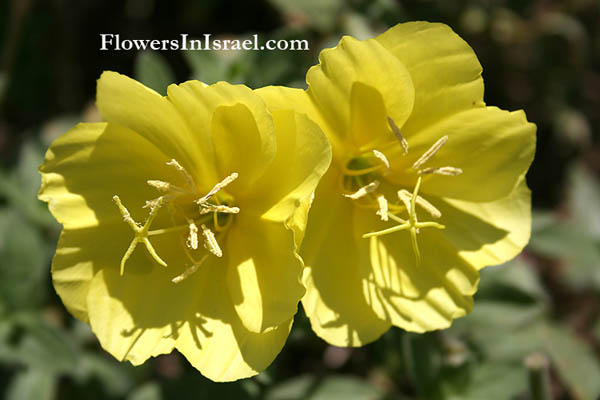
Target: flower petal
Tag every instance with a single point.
(444, 69)
(334, 301)
(414, 297)
(124, 101)
(264, 272)
(81, 171)
(493, 148)
(480, 245)
(303, 156)
(348, 77)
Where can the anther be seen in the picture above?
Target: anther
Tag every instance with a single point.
(448, 171)
(363, 191)
(383, 207)
(217, 188)
(430, 153)
(190, 270)
(192, 239)
(398, 134)
(188, 178)
(380, 156)
(405, 196)
(210, 242)
(206, 208)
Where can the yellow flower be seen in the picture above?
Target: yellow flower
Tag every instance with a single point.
(426, 185)
(177, 221)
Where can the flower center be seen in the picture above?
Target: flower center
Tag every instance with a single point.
(192, 217)
(360, 182)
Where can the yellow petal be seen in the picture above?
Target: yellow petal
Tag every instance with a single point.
(366, 69)
(334, 301)
(493, 148)
(481, 244)
(241, 145)
(444, 69)
(82, 170)
(124, 101)
(414, 297)
(264, 272)
(303, 156)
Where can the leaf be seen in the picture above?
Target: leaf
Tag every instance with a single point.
(209, 66)
(344, 388)
(23, 270)
(574, 361)
(32, 342)
(115, 377)
(489, 381)
(292, 389)
(147, 391)
(584, 200)
(152, 70)
(511, 281)
(32, 384)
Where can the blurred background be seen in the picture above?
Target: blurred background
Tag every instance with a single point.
(540, 312)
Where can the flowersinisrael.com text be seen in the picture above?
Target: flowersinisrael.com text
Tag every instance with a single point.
(110, 41)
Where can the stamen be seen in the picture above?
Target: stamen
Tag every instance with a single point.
(206, 208)
(217, 188)
(192, 240)
(190, 270)
(406, 196)
(448, 171)
(141, 232)
(210, 242)
(398, 135)
(164, 186)
(363, 191)
(383, 207)
(430, 153)
(188, 178)
(383, 159)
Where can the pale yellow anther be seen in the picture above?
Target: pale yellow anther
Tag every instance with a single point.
(430, 153)
(398, 134)
(188, 178)
(210, 242)
(406, 197)
(206, 208)
(192, 239)
(383, 207)
(141, 232)
(380, 156)
(217, 188)
(190, 270)
(363, 191)
(448, 171)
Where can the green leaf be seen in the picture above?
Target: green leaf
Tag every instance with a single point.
(147, 391)
(511, 281)
(489, 381)
(32, 342)
(32, 384)
(584, 200)
(574, 361)
(209, 66)
(344, 388)
(23, 270)
(116, 377)
(152, 70)
(292, 389)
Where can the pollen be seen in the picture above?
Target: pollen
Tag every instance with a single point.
(406, 197)
(217, 188)
(398, 134)
(383, 207)
(448, 171)
(430, 152)
(192, 239)
(210, 242)
(380, 156)
(363, 191)
(188, 178)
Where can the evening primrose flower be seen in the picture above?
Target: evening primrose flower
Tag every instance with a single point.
(179, 227)
(426, 185)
